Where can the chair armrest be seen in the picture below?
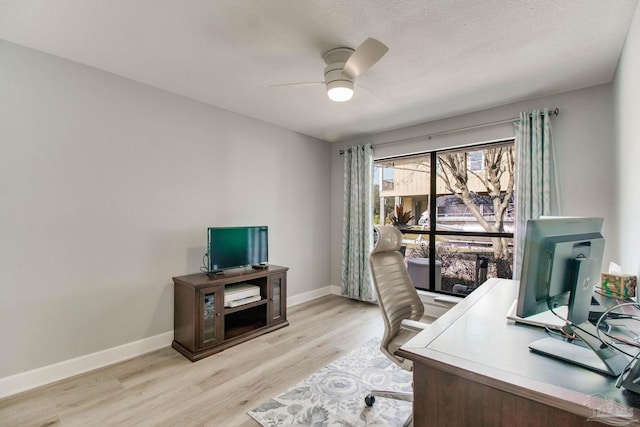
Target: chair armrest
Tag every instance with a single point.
(412, 325)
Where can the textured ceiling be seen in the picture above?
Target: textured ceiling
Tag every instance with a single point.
(446, 57)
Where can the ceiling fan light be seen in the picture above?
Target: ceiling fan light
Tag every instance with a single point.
(340, 94)
(340, 91)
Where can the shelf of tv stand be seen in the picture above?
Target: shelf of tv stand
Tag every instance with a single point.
(203, 326)
(241, 331)
(229, 310)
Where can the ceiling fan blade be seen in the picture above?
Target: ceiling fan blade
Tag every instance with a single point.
(297, 84)
(367, 54)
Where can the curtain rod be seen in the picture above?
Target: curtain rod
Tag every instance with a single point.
(554, 112)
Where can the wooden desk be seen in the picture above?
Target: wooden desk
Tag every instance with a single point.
(473, 368)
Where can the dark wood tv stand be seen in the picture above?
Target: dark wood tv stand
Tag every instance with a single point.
(204, 326)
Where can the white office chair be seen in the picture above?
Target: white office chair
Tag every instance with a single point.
(400, 304)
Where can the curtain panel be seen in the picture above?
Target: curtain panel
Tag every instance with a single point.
(357, 223)
(534, 174)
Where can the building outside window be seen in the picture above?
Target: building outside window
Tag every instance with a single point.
(458, 216)
(475, 160)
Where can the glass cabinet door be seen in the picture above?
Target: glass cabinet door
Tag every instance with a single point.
(211, 312)
(278, 291)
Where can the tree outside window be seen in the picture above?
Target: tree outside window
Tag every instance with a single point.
(473, 213)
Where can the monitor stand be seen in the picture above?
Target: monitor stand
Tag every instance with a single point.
(596, 357)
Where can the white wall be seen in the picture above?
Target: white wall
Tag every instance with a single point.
(582, 135)
(627, 107)
(106, 189)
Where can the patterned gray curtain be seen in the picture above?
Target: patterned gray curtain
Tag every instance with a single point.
(534, 169)
(357, 223)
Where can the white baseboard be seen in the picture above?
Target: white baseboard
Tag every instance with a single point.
(311, 295)
(38, 377)
(308, 296)
(48, 374)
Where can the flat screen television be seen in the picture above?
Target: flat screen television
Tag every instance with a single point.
(561, 265)
(236, 247)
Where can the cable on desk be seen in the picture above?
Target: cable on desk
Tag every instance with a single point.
(626, 368)
(634, 359)
(606, 313)
(559, 332)
(597, 335)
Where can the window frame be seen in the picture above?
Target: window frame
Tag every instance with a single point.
(432, 232)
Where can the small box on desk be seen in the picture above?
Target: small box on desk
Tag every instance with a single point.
(618, 285)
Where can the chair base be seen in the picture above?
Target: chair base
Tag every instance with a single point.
(406, 396)
(397, 395)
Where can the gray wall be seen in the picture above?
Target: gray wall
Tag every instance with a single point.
(582, 135)
(107, 187)
(627, 125)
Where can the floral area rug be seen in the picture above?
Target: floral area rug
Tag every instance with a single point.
(334, 396)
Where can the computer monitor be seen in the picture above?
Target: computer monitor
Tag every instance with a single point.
(561, 265)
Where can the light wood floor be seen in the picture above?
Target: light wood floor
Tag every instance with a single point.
(164, 389)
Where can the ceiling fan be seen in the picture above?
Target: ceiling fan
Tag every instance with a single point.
(345, 64)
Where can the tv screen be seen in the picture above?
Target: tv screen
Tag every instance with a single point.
(234, 247)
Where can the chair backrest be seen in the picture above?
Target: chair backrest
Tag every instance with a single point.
(397, 297)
